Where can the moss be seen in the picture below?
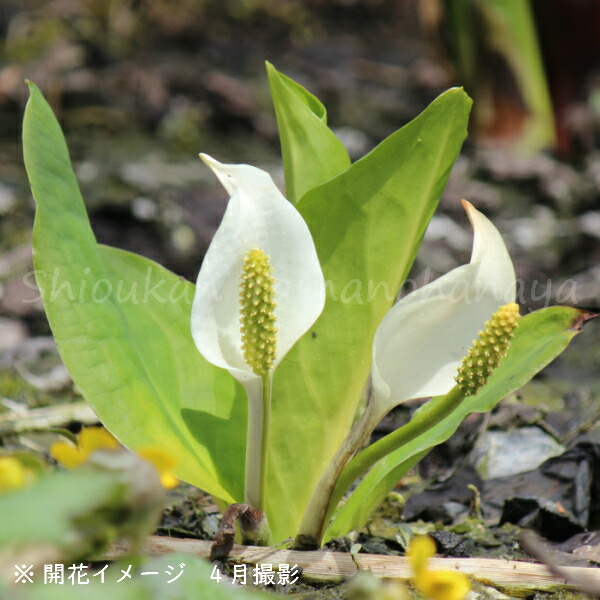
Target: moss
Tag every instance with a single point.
(560, 593)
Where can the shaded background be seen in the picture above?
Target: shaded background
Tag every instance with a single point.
(142, 86)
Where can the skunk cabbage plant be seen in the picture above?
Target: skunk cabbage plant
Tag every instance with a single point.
(253, 379)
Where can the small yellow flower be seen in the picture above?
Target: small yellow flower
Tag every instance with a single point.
(13, 474)
(163, 462)
(435, 585)
(420, 550)
(89, 440)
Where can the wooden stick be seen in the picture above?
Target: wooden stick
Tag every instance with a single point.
(516, 578)
(48, 416)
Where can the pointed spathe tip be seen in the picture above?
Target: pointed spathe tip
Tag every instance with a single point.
(226, 174)
(471, 211)
(209, 161)
(467, 205)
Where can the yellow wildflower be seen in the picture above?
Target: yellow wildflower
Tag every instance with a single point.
(162, 462)
(89, 440)
(435, 585)
(13, 474)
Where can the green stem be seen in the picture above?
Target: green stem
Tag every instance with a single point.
(311, 527)
(428, 416)
(264, 445)
(256, 531)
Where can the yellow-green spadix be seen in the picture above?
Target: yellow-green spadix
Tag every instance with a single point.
(488, 349)
(421, 341)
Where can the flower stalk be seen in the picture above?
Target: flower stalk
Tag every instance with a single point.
(432, 414)
(264, 443)
(316, 513)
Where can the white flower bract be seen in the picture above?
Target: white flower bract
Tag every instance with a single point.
(257, 216)
(422, 339)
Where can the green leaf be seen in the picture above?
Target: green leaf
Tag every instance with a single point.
(367, 224)
(312, 154)
(540, 337)
(46, 513)
(121, 323)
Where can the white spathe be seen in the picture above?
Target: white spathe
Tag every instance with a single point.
(421, 341)
(257, 216)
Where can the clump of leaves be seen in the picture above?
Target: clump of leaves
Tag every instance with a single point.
(274, 426)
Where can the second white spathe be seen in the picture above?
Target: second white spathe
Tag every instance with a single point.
(421, 341)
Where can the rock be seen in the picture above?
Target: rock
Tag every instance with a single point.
(12, 332)
(21, 297)
(589, 223)
(443, 228)
(503, 453)
(7, 199)
(144, 208)
(87, 171)
(557, 499)
(539, 230)
(37, 361)
(154, 171)
(356, 141)
(15, 261)
(449, 544)
(183, 239)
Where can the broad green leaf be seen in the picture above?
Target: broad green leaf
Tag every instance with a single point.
(367, 224)
(540, 337)
(121, 323)
(312, 154)
(203, 409)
